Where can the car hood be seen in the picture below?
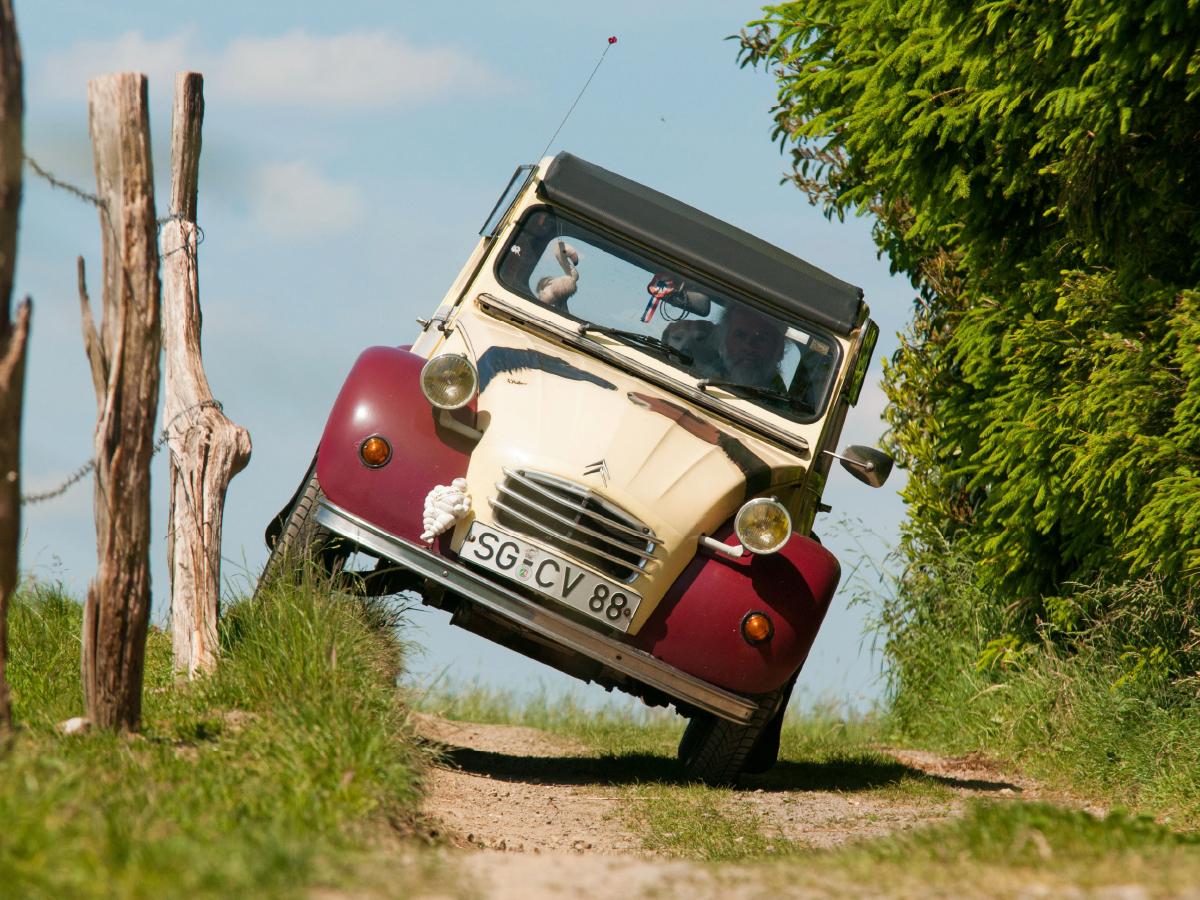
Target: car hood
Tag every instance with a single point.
(545, 408)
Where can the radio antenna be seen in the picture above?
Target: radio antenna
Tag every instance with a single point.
(611, 41)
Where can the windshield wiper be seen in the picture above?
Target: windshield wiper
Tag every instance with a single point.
(645, 340)
(768, 393)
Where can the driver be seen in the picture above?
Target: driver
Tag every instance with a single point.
(749, 348)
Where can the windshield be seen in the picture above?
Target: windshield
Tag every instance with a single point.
(743, 350)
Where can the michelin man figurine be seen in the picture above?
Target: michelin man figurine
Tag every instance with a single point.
(444, 507)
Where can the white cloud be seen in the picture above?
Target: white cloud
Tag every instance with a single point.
(65, 74)
(358, 69)
(294, 201)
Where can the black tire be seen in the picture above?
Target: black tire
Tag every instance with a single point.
(766, 752)
(301, 541)
(692, 735)
(714, 750)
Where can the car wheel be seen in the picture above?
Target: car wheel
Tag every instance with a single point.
(697, 728)
(715, 750)
(301, 541)
(766, 752)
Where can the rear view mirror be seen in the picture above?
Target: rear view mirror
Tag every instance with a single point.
(691, 300)
(868, 464)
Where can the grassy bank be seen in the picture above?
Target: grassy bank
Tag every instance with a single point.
(1010, 849)
(283, 769)
(1100, 696)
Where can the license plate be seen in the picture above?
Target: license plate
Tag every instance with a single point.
(556, 577)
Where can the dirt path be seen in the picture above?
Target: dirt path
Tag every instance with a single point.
(521, 790)
(547, 803)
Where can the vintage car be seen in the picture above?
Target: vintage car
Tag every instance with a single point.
(605, 451)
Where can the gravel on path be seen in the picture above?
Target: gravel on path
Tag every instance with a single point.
(533, 819)
(518, 789)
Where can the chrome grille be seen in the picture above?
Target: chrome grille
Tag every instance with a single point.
(573, 519)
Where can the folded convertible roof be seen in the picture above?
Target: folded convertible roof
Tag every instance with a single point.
(703, 242)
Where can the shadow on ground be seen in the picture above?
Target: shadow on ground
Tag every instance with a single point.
(634, 768)
(848, 773)
(854, 772)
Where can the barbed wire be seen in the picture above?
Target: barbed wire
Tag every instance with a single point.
(78, 475)
(82, 471)
(180, 217)
(64, 185)
(99, 201)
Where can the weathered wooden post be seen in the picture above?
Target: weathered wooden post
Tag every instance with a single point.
(12, 334)
(124, 361)
(207, 449)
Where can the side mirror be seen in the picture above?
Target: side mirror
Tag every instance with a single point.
(868, 464)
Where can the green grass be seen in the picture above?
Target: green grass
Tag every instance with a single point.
(1031, 834)
(1104, 702)
(1060, 719)
(1009, 849)
(691, 821)
(286, 768)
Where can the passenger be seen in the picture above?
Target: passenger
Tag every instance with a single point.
(750, 347)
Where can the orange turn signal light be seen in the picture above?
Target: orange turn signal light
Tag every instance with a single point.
(757, 627)
(375, 451)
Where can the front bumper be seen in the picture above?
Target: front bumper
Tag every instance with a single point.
(529, 617)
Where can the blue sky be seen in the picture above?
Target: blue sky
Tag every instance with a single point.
(351, 153)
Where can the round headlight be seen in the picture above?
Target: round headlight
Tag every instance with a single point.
(763, 525)
(449, 381)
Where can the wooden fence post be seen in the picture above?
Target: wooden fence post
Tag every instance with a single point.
(13, 335)
(124, 361)
(207, 449)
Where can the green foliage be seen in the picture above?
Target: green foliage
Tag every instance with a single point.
(273, 774)
(1033, 168)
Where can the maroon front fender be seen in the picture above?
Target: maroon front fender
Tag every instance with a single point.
(697, 626)
(382, 395)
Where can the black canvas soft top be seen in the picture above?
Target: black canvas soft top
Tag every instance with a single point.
(703, 242)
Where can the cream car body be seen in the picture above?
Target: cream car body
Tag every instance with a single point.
(588, 443)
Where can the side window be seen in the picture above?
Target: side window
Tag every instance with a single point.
(515, 185)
